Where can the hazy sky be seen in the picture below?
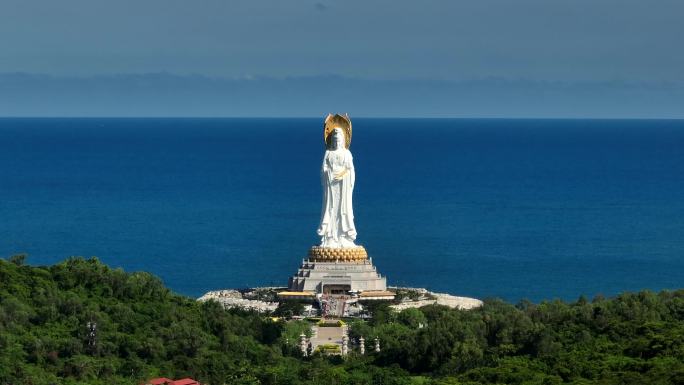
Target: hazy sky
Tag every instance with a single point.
(444, 39)
(453, 40)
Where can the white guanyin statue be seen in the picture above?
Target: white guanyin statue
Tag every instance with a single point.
(337, 228)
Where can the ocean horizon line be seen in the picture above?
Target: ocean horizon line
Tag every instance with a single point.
(355, 116)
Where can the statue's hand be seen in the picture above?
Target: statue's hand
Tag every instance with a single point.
(340, 175)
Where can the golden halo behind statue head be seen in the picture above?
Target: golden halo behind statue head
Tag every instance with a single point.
(337, 121)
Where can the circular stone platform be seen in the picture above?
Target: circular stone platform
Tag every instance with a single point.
(332, 254)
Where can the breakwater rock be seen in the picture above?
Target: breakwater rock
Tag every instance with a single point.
(235, 299)
(412, 297)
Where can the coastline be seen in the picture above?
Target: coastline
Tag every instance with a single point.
(264, 299)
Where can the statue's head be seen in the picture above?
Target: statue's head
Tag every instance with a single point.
(338, 138)
(334, 123)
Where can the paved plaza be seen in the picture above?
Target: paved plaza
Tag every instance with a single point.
(327, 335)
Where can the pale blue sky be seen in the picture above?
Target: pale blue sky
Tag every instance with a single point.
(552, 41)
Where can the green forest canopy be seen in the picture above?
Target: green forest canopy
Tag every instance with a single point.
(144, 330)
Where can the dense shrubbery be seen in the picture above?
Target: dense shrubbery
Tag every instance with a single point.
(143, 330)
(631, 339)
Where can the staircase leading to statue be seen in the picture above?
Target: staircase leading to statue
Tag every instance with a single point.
(333, 306)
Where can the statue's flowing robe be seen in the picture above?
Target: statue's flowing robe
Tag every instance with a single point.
(337, 215)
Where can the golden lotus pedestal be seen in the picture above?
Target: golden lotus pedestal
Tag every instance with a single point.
(337, 254)
(328, 270)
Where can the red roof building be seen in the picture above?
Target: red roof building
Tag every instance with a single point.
(185, 381)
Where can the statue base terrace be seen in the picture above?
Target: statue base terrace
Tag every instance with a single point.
(338, 271)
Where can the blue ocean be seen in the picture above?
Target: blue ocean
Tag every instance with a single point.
(535, 209)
